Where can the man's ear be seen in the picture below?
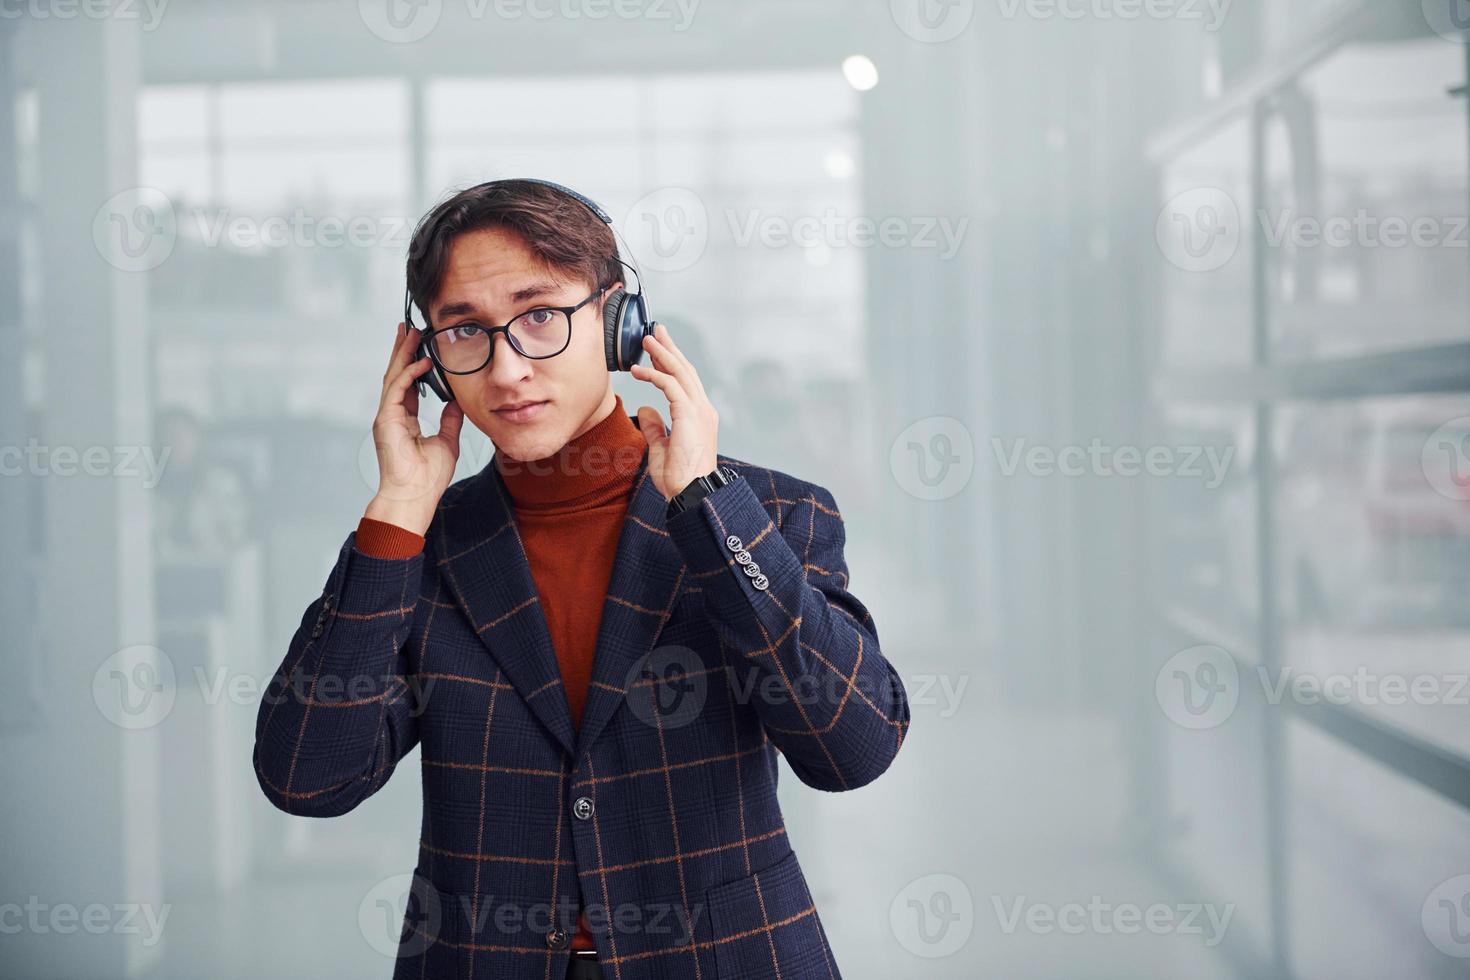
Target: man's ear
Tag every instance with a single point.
(606, 295)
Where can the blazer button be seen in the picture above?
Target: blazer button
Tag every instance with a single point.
(557, 938)
(321, 617)
(582, 808)
(752, 570)
(760, 582)
(743, 557)
(734, 543)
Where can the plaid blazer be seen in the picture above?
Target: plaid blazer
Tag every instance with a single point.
(727, 635)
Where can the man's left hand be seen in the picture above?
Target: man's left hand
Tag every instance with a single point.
(687, 451)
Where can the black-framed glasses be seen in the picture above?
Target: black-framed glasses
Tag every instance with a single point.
(538, 334)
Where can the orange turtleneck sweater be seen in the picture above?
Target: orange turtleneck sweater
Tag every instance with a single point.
(569, 508)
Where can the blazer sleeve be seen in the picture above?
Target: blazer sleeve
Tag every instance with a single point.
(341, 710)
(805, 649)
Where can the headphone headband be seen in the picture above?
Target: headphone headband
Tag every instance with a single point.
(582, 199)
(590, 204)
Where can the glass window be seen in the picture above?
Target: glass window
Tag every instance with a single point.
(1373, 553)
(1208, 564)
(286, 195)
(1365, 212)
(173, 114)
(358, 110)
(1218, 809)
(269, 146)
(472, 111)
(1205, 252)
(173, 138)
(1289, 23)
(290, 208)
(1372, 862)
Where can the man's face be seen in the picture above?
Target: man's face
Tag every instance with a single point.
(491, 278)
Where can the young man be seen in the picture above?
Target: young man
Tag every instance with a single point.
(600, 667)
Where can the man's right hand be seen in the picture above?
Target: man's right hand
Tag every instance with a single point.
(413, 469)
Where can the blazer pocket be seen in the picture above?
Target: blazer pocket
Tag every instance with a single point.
(427, 943)
(765, 925)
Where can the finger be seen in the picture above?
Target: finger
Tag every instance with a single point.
(395, 391)
(404, 346)
(662, 334)
(651, 424)
(663, 341)
(451, 421)
(665, 382)
(679, 367)
(650, 418)
(411, 401)
(399, 337)
(666, 339)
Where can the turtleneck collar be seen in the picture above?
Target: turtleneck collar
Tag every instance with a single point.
(591, 469)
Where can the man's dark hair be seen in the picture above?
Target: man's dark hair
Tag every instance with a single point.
(560, 231)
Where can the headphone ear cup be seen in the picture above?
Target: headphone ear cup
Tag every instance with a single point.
(433, 378)
(612, 320)
(624, 325)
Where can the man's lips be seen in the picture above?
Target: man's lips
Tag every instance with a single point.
(522, 411)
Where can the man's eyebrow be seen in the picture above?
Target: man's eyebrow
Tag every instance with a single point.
(533, 291)
(523, 295)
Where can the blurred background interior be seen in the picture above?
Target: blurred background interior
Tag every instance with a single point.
(963, 262)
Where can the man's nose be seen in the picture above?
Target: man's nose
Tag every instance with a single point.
(506, 363)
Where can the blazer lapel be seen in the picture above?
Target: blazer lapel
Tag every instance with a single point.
(486, 568)
(646, 575)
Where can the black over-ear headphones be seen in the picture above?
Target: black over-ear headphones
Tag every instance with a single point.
(625, 320)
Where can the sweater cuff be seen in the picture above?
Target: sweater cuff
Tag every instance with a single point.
(383, 540)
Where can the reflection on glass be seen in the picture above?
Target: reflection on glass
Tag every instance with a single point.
(1369, 858)
(1373, 554)
(1208, 565)
(1364, 217)
(288, 200)
(1218, 812)
(1203, 236)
